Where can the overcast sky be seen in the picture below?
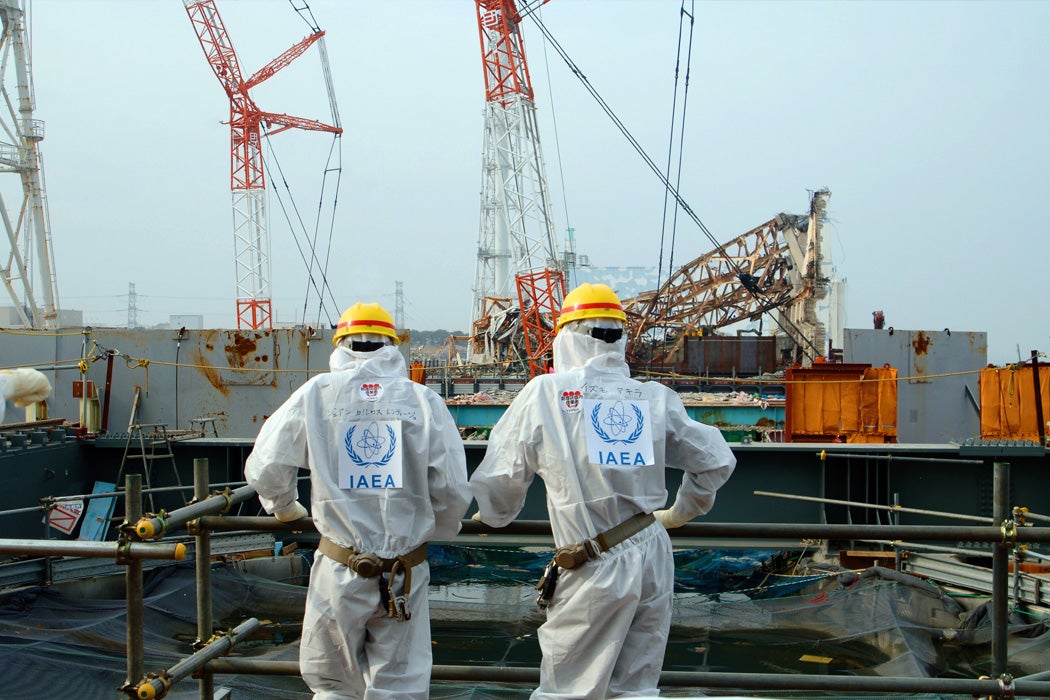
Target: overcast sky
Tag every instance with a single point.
(927, 121)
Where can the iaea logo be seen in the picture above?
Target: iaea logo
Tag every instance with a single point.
(370, 449)
(615, 425)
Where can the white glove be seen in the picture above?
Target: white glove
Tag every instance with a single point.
(671, 517)
(291, 513)
(24, 386)
(477, 516)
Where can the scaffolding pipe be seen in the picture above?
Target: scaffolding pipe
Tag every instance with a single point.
(899, 544)
(1000, 570)
(158, 686)
(49, 502)
(943, 533)
(890, 458)
(1022, 513)
(202, 557)
(133, 582)
(234, 523)
(1029, 686)
(155, 527)
(1036, 555)
(861, 504)
(1040, 425)
(96, 550)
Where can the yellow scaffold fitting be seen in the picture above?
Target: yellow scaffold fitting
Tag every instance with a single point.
(146, 530)
(823, 455)
(1009, 530)
(228, 495)
(153, 688)
(180, 551)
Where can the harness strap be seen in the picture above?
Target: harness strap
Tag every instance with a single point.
(370, 565)
(632, 526)
(573, 555)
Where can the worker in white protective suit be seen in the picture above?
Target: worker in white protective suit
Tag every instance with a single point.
(22, 386)
(387, 474)
(600, 441)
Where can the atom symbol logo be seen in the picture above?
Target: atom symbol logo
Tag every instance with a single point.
(370, 443)
(618, 421)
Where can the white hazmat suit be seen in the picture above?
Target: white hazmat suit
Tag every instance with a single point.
(600, 441)
(387, 474)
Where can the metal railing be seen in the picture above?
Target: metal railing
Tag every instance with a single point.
(203, 516)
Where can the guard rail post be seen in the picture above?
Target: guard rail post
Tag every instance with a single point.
(203, 569)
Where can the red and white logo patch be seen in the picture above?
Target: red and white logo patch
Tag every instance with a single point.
(371, 392)
(570, 401)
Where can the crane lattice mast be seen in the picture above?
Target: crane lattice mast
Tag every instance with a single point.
(27, 227)
(517, 253)
(247, 178)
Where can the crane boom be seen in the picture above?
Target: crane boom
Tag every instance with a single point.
(247, 175)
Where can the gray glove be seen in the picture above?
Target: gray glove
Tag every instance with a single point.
(290, 513)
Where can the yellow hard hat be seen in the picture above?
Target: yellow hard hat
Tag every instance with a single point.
(590, 301)
(364, 318)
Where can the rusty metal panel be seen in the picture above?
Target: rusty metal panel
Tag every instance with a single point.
(239, 377)
(726, 356)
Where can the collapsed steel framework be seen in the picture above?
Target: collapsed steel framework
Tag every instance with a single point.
(774, 267)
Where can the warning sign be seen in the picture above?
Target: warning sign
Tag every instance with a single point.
(66, 515)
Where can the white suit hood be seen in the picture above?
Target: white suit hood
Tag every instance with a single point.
(386, 361)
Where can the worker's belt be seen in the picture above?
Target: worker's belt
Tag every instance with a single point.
(573, 555)
(368, 565)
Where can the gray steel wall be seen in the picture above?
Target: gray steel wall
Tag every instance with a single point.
(238, 376)
(937, 394)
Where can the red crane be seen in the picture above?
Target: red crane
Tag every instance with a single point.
(516, 246)
(247, 178)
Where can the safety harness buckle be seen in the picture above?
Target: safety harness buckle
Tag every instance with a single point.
(366, 565)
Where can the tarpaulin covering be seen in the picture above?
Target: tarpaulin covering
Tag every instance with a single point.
(845, 402)
(876, 622)
(1008, 402)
